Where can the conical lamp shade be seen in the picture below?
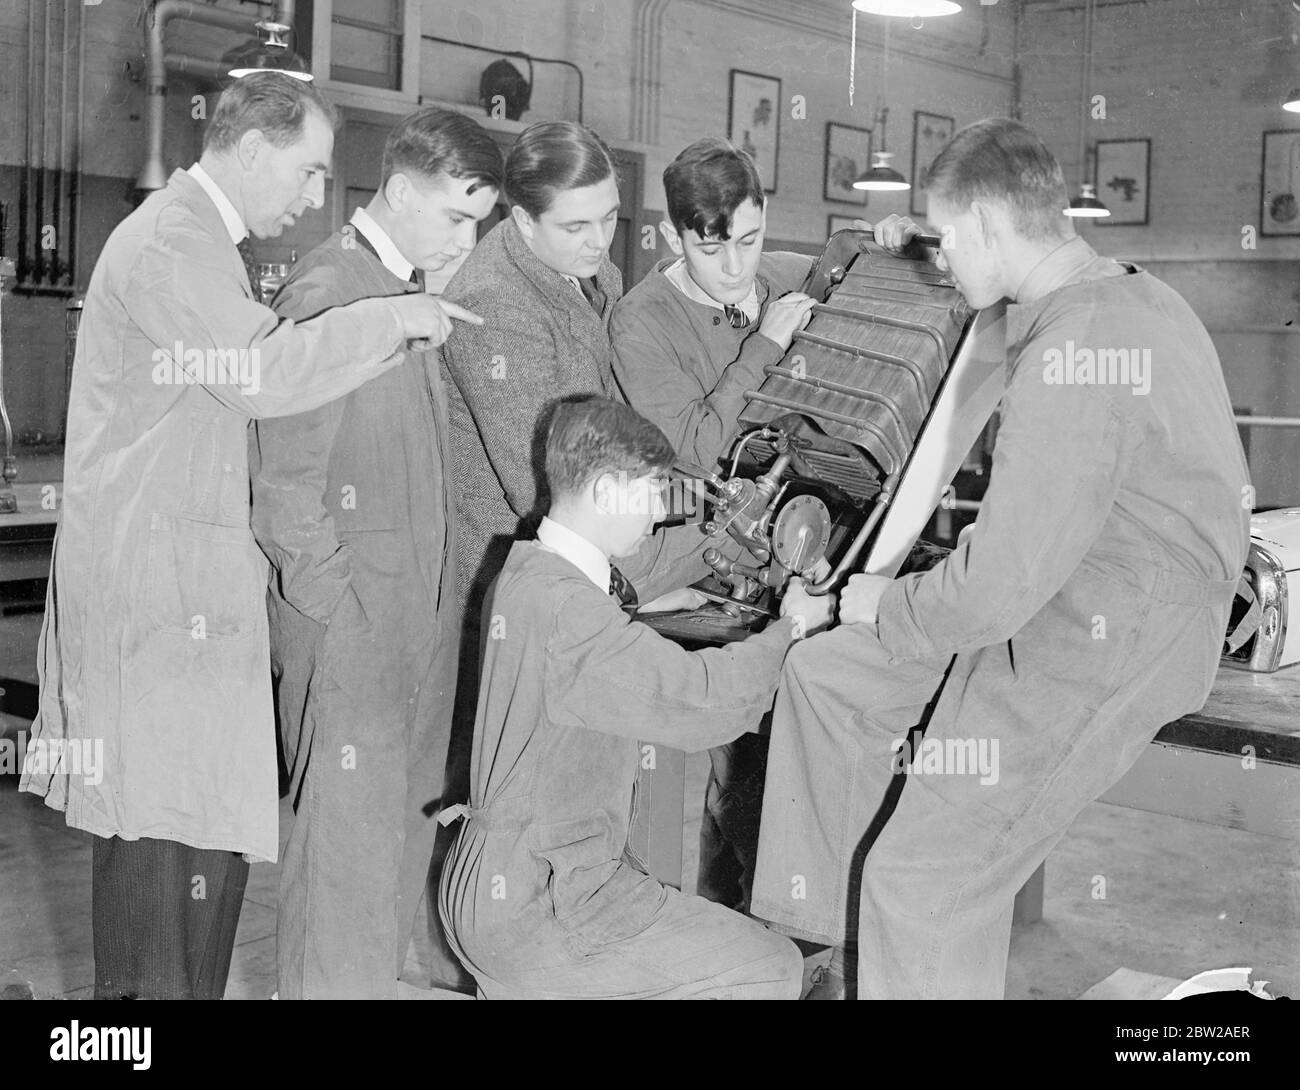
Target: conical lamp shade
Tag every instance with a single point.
(881, 177)
(908, 9)
(1086, 205)
(271, 55)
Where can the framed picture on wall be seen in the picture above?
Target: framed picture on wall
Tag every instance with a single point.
(839, 223)
(1124, 182)
(754, 120)
(1279, 186)
(848, 154)
(930, 132)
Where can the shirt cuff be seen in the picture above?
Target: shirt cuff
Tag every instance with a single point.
(897, 636)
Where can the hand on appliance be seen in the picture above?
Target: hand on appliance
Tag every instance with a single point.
(860, 600)
(811, 612)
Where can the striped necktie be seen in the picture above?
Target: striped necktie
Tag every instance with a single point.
(622, 590)
(737, 317)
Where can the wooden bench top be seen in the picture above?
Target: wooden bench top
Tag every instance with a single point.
(1245, 709)
(30, 514)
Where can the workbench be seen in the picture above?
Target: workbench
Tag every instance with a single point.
(26, 535)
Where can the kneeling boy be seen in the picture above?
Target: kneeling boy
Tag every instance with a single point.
(538, 895)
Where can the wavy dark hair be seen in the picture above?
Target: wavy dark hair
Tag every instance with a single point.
(705, 185)
(552, 157)
(433, 141)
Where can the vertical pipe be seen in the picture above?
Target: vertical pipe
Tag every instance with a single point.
(1085, 82)
(74, 195)
(24, 187)
(42, 270)
(153, 174)
(884, 87)
(1016, 73)
(60, 263)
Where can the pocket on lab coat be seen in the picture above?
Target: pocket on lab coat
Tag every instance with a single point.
(204, 581)
(216, 483)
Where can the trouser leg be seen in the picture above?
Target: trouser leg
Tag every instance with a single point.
(938, 888)
(426, 842)
(460, 747)
(989, 795)
(733, 805)
(719, 873)
(337, 925)
(449, 968)
(164, 917)
(840, 705)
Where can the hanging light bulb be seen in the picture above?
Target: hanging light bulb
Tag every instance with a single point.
(1292, 101)
(270, 55)
(881, 177)
(1086, 204)
(908, 9)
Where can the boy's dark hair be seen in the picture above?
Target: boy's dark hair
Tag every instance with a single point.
(432, 141)
(552, 157)
(705, 185)
(270, 101)
(594, 435)
(1002, 160)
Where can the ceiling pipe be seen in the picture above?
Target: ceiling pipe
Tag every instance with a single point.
(185, 65)
(153, 175)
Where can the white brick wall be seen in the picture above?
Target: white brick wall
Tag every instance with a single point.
(1203, 79)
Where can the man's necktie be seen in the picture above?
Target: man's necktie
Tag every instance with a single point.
(417, 278)
(245, 248)
(737, 317)
(592, 294)
(622, 590)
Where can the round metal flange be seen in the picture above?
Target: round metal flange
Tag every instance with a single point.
(801, 532)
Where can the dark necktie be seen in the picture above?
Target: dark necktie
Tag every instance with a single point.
(736, 316)
(245, 248)
(417, 278)
(622, 590)
(592, 294)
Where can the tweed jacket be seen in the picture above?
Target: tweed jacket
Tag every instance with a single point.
(540, 341)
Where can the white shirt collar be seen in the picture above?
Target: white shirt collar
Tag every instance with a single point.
(680, 278)
(234, 224)
(577, 286)
(384, 246)
(577, 550)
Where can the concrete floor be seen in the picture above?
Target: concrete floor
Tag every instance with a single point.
(1181, 896)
